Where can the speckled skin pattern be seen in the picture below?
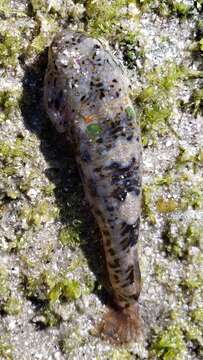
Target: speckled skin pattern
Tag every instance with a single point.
(87, 96)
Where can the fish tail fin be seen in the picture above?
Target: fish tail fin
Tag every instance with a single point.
(121, 325)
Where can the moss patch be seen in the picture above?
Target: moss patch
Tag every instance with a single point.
(170, 344)
(155, 99)
(39, 214)
(51, 287)
(104, 17)
(166, 206)
(10, 48)
(5, 350)
(9, 104)
(70, 236)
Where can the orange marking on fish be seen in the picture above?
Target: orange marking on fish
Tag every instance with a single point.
(88, 119)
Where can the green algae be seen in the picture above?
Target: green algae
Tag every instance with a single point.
(104, 17)
(67, 289)
(180, 8)
(5, 8)
(197, 100)
(184, 157)
(16, 245)
(118, 354)
(50, 317)
(9, 104)
(39, 5)
(66, 9)
(51, 287)
(167, 180)
(179, 239)
(197, 315)
(166, 205)
(192, 197)
(10, 151)
(155, 100)
(71, 341)
(10, 48)
(165, 8)
(193, 281)
(194, 334)
(5, 350)
(194, 234)
(169, 344)
(147, 204)
(132, 47)
(12, 306)
(48, 189)
(4, 285)
(39, 214)
(47, 28)
(9, 305)
(70, 236)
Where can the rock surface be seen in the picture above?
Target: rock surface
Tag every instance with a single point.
(51, 293)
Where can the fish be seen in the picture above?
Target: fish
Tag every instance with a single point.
(86, 96)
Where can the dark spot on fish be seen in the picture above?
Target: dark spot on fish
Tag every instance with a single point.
(85, 156)
(96, 46)
(111, 252)
(97, 169)
(119, 194)
(117, 130)
(134, 296)
(130, 277)
(116, 277)
(98, 212)
(99, 84)
(130, 240)
(83, 98)
(101, 95)
(126, 227)
(108, 241)
(129, 137)
(57, 103)
(114, 165)
(105, 232)
(110, 208)
(130, 267)
(115, 264)
(92, 188)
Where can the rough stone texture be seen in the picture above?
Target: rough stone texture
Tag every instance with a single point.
(48, 237)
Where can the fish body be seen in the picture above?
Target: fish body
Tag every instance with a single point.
(86, 95)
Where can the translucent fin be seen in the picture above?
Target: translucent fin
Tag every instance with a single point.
(121, 326)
